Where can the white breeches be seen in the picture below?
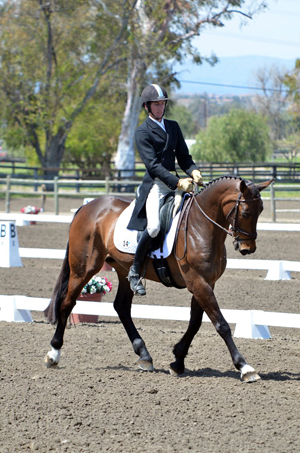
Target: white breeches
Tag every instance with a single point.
(157, 192)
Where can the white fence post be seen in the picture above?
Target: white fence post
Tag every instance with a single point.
(9, 311)
(277, 271)
(246, 327)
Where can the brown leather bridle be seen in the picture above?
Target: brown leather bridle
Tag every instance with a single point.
(234, 231)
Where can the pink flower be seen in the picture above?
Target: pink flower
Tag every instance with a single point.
(109, 284)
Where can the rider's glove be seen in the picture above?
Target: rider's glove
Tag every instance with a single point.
(197, 177)
(185, 184)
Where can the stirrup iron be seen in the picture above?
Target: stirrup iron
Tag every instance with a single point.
(136, 283)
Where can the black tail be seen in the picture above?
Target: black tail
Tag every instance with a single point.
(59, 291)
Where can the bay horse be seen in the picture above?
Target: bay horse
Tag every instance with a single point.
(227, 205)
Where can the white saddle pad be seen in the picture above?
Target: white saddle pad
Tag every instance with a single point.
(126, 240)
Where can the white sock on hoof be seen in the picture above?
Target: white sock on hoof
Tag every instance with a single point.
(54, 354)
(247, 369)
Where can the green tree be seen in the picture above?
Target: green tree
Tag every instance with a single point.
(292, 81)
(184, 117)
(239, 136)
(55, 55)
(93, 140)
(162, 33)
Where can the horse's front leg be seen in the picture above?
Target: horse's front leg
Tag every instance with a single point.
(181, 348)
(208, 302)
(122, 305)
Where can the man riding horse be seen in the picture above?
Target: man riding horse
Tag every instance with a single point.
(159, 141)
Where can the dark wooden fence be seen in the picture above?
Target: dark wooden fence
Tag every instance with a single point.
(282, 172)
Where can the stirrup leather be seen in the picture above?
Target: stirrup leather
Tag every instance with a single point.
(135, 283)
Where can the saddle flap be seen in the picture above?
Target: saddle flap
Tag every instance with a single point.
(163, 272)
(125, 240)
(165, 220)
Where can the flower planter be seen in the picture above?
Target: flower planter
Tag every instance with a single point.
(78, 318)
(31, 210)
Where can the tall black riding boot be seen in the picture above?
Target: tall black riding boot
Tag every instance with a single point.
(135, 270)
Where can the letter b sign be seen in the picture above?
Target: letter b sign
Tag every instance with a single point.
(9, 245)
(3, 230)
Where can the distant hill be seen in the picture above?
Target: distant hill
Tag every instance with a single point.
(234, 71)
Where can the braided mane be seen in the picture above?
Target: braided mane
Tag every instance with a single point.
(249, 183)
(220, 178)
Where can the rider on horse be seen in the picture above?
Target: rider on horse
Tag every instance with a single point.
(158, 141)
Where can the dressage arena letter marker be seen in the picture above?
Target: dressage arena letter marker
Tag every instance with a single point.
(9, 245)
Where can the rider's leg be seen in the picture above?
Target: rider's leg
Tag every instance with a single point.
(135, 270)
(152, 230)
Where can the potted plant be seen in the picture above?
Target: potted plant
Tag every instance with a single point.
(31, 210)
(92, 291)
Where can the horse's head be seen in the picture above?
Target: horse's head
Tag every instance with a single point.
(244, 215)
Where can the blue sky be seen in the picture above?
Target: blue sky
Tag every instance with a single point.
(274, 33)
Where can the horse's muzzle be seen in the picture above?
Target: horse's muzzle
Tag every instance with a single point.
(245, 248)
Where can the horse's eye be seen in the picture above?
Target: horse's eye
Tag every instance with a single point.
(246, 214)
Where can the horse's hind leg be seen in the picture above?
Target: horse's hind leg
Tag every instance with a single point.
(181, 348)
(70, 282)
(122, 305)
(66, 305)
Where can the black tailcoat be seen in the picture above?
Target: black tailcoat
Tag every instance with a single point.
(158, 150)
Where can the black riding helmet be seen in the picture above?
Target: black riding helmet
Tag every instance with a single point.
(153, 93)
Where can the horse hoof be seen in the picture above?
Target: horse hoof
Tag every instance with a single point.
(173, 372)
(49, 362)
(145, 365)
(251, 377)
(248, 374)
(52, 358)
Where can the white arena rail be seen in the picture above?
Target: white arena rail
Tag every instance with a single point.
(42, 253)
(23, 219)
(249, 323)
(20, 218)
(277, 269)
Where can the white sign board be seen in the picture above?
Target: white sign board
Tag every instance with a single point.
(9, 245)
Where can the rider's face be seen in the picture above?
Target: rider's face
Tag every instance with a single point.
(157, 109)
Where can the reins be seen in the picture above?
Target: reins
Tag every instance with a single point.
(234, 231)
(184, 213)
(211, 220)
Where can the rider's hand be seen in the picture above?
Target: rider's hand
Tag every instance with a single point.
(197, 177)
(185, 184)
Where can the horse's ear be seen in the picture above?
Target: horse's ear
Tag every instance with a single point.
(263, 185)
(243, 186)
